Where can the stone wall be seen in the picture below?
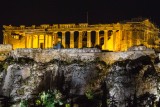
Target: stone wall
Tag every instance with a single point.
(85, 54)
(46, 55)
(4, 51)
(111, 57)
(5, 48)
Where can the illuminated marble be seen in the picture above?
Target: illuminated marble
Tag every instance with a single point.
(113, 37)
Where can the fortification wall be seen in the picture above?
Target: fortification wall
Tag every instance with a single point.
(86, 54)
(111, 57)
(46, 55)
(5, 48)
(4, 51)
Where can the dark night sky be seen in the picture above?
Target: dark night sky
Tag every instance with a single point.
(29, 12)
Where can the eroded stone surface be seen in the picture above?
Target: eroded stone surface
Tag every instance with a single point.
(137, 72)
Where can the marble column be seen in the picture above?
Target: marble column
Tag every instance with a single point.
(47, 40)
(130, 39)
(54, 38)
(44, 41)
(80, 40)
(114, 40)
(105, 39)
(97, 37)
(120, 40)
(32, 41)
(63, 39)
(25, 41)
(147, 37)
(71, 39)
(126, 40)
(88, 38)
(4, 38)
(50, 41)
(29, 43)
(38, 41)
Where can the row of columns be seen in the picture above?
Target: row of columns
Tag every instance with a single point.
(34, 40)
(79, 39)
(89, 44)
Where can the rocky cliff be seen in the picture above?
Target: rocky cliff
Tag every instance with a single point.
(123, 83)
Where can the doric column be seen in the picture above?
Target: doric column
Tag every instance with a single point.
(126, 40)
(80, 40)
(29, 41)
(38, 41)
(88, 38)
(44, 41)
(47, 46)
(120, 40)
(63, 39)
(97, 37)
(130, 39)
(47, 40)
(50, 45)
(4, 38)
(114, 40)
(146, 37)
(32, 41)
(26, 41)
(54, 38)
(71, 39)
(105, 39)
(25, 46)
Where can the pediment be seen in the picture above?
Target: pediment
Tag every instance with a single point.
(149, 23)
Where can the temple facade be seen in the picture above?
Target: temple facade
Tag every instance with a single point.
(113, 37)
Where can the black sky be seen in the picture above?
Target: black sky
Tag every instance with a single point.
(29, 12)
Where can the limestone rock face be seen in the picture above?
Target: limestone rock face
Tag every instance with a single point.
(130, 77)
(23, 80)
(124, 79)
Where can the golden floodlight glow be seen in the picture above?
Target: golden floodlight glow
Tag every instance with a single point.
(112, 37)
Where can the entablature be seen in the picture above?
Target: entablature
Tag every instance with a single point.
(82, 27)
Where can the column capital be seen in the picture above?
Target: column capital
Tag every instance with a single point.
(71, 31)
(114, 30)
(55, 32)
(105, 31)
(63, 31)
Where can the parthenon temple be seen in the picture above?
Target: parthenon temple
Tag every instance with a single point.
(113, 37)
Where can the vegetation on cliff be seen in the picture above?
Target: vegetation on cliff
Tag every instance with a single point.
(125, 83)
